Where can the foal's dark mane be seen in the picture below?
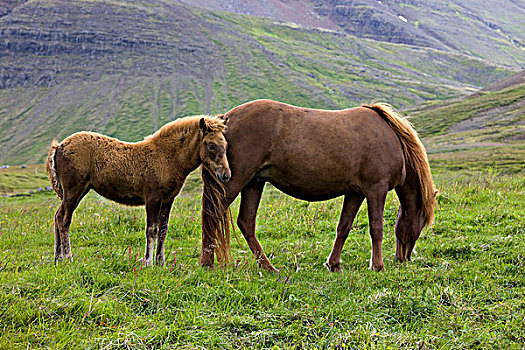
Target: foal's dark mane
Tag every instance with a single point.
(185, 125)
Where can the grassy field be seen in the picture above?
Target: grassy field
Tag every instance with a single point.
(464, 288)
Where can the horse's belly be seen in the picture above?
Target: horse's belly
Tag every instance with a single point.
(311, 186)
(309, 194)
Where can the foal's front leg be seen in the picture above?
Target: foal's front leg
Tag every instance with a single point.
(163, 230)
(153, 208)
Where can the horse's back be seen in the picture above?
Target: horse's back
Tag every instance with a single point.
(318, 154)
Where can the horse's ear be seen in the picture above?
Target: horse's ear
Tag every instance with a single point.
(203, 126)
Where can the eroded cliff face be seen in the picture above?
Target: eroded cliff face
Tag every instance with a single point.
(477, 28)
(90, 39)
(6, 6)
(124, 68)
(370, 22)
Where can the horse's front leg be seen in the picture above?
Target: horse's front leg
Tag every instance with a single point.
(376, 207)
(250, 199)
(163, 230)
(153, 209)
(351, 206)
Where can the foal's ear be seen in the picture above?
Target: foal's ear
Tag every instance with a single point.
(203, 126)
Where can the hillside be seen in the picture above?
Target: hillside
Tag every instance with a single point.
(482, 131)
(125, 68)
(478, 28)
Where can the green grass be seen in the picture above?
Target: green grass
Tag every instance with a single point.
(464, 287)
(16, 180)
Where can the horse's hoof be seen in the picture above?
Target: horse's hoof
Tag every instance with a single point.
(268, 267)
(378, 268)
(333, 268)
(271, 269)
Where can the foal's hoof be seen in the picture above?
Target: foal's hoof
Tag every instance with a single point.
(67, 258)
(145, 262)
(333, 268)
(207, 264)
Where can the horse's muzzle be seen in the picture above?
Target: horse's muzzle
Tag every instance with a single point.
(224, 175)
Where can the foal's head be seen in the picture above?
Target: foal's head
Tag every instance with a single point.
(213, 148)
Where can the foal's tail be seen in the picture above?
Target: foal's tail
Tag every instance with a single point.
(415, 154)
(216, 217)
(52, 170)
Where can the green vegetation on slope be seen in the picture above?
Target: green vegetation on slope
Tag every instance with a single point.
(493, 110)
(480, 132)
(126, 77)
(21, 181)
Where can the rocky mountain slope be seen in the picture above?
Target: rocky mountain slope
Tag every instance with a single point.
(481, 28)
(125, 68)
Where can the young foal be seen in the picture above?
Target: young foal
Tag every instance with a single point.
(149, 172)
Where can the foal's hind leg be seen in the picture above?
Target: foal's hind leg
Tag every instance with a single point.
(153, 208)
(351, 205)
(376, 206)
(59, 217)
(70, 201)
(163, 230)
(250, 198)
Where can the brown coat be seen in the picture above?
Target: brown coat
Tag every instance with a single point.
(315, 155)
(149, 172)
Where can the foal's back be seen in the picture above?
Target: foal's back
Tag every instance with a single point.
(116, 170)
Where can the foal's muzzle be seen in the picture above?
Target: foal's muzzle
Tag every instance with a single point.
(224, 175)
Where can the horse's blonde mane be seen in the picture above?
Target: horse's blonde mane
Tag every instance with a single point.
(415, 154)
(187, 124)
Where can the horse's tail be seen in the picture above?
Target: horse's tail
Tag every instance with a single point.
(415, 154)
(52, 170)
(216, 217)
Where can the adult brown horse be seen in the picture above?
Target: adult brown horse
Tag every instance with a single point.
(149, 172)
(316, 155)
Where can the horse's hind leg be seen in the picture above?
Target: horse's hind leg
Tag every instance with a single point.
(163, 230)
(376, 205)
(351, 205)
(250, 199)
(153, 209)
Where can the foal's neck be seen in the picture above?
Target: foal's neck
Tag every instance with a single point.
(183, 149)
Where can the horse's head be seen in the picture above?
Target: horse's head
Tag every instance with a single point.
(213, 148)
(409, 226)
